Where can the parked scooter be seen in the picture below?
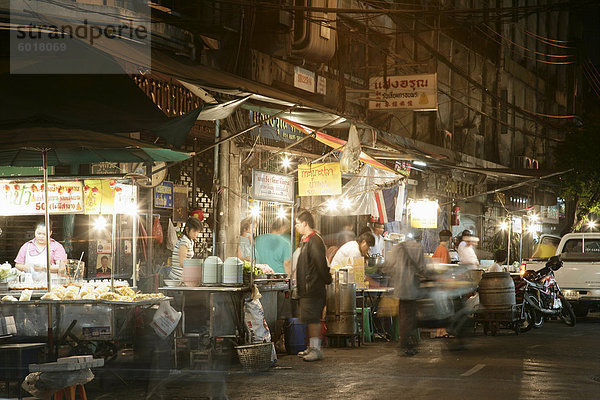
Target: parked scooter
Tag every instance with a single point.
(543, 295)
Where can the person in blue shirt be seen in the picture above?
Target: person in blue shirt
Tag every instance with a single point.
(274, 249)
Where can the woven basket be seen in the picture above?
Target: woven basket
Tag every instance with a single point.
(255, 357)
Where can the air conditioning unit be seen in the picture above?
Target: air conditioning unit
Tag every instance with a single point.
(524, 162)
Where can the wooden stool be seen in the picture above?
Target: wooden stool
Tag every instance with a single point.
(70, 392)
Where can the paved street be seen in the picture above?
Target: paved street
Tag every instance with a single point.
(554, 362)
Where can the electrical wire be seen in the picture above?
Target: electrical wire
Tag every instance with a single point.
(518, 45)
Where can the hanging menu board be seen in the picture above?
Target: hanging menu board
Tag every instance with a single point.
(268, 186)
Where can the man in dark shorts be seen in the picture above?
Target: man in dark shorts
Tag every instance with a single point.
(312, 275)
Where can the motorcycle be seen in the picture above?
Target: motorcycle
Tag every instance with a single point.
(542, 296)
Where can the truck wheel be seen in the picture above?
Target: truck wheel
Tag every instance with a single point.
(566, 314)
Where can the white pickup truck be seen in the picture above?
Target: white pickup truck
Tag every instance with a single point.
(579, 278)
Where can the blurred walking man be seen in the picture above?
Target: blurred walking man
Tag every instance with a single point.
(406, 267)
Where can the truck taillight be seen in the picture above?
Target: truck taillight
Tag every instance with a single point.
(522, 269)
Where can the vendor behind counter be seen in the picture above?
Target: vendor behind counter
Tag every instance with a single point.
(32, 255)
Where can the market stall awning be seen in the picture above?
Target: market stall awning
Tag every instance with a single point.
(337, 143)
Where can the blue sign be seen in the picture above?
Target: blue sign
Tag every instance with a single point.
(163, 195)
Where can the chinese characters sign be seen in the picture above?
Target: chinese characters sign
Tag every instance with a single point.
(163, 195)
(408, 92)
(27, 198)
(268, 186)
(320, 179)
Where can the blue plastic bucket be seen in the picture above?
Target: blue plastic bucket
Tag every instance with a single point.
(295, 336)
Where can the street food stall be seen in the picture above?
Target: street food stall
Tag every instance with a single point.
(72, 307)
(213, 303)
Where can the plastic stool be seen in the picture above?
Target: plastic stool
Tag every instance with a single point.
(70, 393)
(367, 324)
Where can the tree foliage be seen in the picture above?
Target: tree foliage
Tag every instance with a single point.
(581, 186)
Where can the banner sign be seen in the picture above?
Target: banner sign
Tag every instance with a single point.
(163, 195)
(268, 186)
(27, 198)
(404, 92)
(320, 179)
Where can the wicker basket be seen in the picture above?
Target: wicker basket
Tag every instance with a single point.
(255, 357)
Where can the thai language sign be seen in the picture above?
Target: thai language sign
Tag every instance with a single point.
(268, 186)
(408, 92)
(27, 198)
(304, 79)
(320, 179)
(274, 129)
(163, 195)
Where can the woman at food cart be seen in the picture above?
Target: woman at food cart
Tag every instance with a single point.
(245, 247)
(32, 255)
(184, 248)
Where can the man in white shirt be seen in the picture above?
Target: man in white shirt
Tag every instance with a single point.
(377, 230)
(354, 248)
(466, 251)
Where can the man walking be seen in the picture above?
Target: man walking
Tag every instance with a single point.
(406, 266)
(312, 275)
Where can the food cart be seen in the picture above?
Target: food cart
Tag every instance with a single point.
(107, 317)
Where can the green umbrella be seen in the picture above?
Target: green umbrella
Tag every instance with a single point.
(23, 147)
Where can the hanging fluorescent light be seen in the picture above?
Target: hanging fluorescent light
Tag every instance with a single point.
(419, 163)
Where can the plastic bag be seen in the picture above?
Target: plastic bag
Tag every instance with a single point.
(157, 232)
(165, 319)
(349, 162)
(256, 324)
(171, 236)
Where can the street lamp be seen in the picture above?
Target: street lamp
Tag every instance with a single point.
(591, 225)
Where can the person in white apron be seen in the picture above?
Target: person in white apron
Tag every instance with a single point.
(32, 255)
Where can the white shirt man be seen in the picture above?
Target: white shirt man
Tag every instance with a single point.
(352, 249)
(378, 248)
(466, 251)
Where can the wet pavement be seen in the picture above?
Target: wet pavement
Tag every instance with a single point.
(554, 362)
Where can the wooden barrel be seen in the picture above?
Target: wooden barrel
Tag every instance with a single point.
(496, 291)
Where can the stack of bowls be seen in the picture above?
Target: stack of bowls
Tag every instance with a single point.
(213, 270)
(233, 273)
(192, 272)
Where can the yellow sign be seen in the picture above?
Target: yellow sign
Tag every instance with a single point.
(321, 179)
(27, 198)
(99, 196)
(423, 214)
